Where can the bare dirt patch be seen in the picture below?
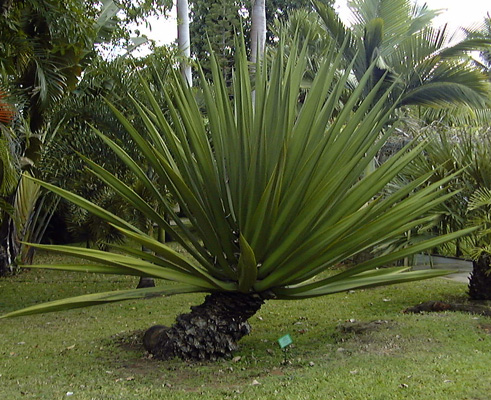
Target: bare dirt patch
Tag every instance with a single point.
(376, 337)
(129, 360)
(485, 328)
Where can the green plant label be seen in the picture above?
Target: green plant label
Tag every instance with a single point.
(285, 341)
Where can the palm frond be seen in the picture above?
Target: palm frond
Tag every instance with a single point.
(481, 197)
(448, 84)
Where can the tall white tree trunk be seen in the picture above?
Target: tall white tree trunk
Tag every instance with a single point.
(183, 41)
(258, 28)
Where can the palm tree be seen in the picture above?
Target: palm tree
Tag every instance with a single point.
(480, 279)
(397, 36)
(275, 191)
(45, 46)
(482, 32)
(451, 150)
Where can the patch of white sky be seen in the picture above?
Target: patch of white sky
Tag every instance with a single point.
(454, 13)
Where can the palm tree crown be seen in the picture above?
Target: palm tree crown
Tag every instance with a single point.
(397, 36)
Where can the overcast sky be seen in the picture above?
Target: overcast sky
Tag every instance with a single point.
(456, 13)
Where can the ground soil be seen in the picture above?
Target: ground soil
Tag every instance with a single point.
(439, 306)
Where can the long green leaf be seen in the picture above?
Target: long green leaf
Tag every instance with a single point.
(88, 205)
(360, 282)
(247, 266)
(103, 298)
(144, 268)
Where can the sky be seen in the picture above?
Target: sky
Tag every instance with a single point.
(455, 12)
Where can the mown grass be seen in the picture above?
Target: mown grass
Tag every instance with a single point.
(92, 353)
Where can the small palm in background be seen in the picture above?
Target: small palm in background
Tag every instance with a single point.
(480, 281)
(467, 150)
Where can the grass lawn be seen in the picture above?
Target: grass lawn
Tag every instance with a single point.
(336, 353)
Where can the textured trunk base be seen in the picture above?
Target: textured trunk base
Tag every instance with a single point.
(210, 331)
(480, 279)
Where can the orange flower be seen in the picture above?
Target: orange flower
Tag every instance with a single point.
(6, 110)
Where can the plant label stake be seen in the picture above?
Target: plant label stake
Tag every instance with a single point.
(284, 342)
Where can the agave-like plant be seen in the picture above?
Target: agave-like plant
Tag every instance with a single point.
(276, 193)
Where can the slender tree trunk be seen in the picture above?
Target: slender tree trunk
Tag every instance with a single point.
(183, 41)
(258, 28)
(8, 246)
(145, 282)
(210, 331)
(480, 279)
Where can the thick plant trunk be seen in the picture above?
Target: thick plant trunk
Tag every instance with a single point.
(210, 331)
(480, 279)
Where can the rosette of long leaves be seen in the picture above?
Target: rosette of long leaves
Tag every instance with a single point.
(272, 181)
